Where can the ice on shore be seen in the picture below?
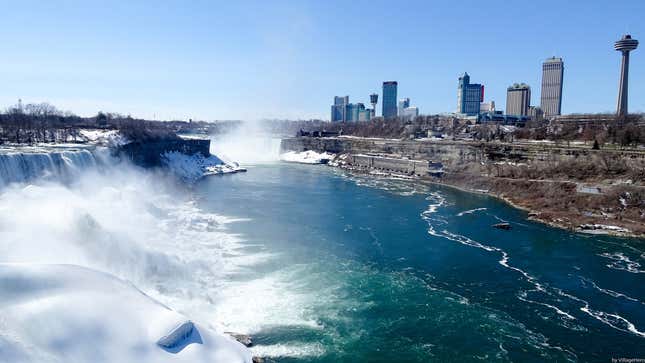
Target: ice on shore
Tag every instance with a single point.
(196, 166)
(601, 229)
(307, 157)
(68, 313)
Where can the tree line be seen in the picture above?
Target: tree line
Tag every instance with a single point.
(44, 123)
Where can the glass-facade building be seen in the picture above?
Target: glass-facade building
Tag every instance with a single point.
(389, 99)
(469, 96)
(339, 109)
(343, 111)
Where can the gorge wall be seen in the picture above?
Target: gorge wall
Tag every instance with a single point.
(454, 155)
(148, 153)
(564, 186)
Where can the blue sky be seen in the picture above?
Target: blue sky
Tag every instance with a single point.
(287, 59)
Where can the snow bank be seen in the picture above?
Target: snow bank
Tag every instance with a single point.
(307, 157)
(67, 313)
(193, 167)
(111, 138)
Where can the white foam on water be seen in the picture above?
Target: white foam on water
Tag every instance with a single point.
(294, 350)
(504, 261)
(274, 300)
(470, 211)
(152, 234)
(614, 320)
(621, 262)
(611, 293)
(611, 319)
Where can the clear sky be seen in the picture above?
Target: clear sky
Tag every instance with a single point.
(287, 59)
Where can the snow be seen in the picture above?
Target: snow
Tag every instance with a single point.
(601, 228)
(68, 313)
(111, 138)
(193, 167)
(307, 157)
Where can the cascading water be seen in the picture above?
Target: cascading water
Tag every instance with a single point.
(28, 164)
(248, 144)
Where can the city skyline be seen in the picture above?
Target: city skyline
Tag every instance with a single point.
(252, 60)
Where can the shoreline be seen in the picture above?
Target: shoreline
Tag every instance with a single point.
(581, 190)
(533, 215)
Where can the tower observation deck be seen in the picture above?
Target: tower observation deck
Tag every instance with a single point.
(625, 45)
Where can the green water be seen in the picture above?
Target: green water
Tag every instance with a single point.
(356, 269)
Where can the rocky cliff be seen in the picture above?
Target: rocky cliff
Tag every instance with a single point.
(560, 185)
(148, 153)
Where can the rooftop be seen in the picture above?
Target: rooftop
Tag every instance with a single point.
(553, 60)
(519, 86)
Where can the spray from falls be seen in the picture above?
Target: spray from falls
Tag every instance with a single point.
(250, 143)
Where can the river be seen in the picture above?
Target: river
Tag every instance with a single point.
(322, 266)
(360, 269)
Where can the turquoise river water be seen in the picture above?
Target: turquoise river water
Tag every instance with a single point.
(353, 268)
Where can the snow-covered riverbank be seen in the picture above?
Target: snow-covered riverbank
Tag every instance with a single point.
(307, 157)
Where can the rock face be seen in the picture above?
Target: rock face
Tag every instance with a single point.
(148, 154)
(548, 180)
(512, 159)
(386, 164)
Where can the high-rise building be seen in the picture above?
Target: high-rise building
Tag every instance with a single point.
(403, 104)
(518, 99)
(624, 45)
(389, 99)
(469, 96)
(339, 109)
(551, 94)
(343, 111)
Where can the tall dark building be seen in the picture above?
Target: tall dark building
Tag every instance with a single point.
(624, 45)
(389, 99)
(551, 95)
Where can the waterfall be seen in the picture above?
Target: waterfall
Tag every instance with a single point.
(24, 165)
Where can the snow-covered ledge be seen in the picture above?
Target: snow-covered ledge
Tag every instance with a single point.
(68, 313)
(196, 166)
